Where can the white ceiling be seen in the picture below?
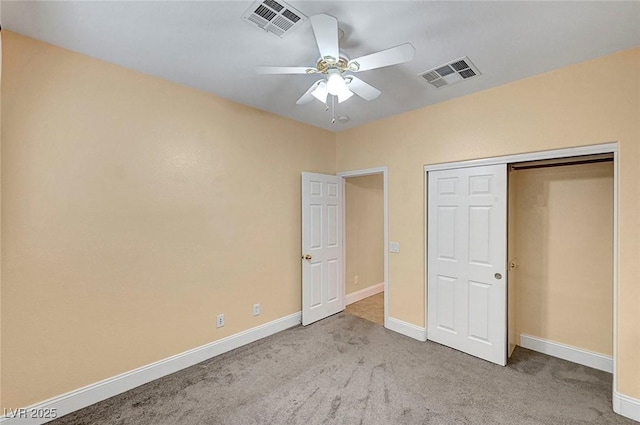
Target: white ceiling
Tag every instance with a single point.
(209, 46)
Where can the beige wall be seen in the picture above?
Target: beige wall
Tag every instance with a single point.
(364, 232)
(133, 211)
(559, 109)
(564, 245)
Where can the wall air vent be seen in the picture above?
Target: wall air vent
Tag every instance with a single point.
(450, 73)
(275, 17)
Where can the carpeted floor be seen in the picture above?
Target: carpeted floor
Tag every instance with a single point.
(346, 370)
(370, 308)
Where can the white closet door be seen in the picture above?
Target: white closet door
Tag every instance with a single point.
(467, 246)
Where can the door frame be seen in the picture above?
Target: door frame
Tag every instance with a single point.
(384, 170)
(604, 148)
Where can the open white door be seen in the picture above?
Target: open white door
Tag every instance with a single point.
(466, 252)
(322, 279)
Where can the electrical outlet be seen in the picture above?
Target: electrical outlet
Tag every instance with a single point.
(220, 321)
(356, 280)
(256, 309)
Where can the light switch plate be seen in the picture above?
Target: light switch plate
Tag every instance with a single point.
(395, 247)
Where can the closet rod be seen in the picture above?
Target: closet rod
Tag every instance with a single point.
(576, 161)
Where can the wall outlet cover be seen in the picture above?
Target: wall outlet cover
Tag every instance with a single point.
(395, 247)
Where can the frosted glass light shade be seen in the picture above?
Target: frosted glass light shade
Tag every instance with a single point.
(320, 92)
(336, 84)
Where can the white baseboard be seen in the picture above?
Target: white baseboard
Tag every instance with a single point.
(407, 329)
(363, 293)
(86, 396)
(567, 352)
(626, 406)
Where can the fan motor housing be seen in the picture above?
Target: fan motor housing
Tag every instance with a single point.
(327, 63)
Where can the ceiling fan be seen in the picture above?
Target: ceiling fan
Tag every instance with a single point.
(333, 65)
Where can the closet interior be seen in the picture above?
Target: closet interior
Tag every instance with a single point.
(560, 253)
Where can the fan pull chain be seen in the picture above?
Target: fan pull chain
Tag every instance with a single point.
(333, 109)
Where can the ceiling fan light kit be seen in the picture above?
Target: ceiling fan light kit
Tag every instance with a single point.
(333, 66)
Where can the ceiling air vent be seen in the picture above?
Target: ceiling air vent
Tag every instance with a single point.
(451, 73)
(275, 17)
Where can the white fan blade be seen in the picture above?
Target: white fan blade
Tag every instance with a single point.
(308, 96)
(285, 70)
(362, 89)
(325, 29)
(394, 55)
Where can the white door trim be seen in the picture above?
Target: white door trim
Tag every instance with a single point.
(531, 156)
(553, 154)
(385, 187)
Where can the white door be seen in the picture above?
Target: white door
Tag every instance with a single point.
(466, 252)
(322, 274)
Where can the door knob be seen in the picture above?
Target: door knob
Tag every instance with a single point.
(307, 257)
(497, 276)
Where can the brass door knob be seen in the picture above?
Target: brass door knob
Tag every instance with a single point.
(307, 257)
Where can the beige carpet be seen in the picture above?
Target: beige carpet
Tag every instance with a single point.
(370, 308)
(344, 370)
